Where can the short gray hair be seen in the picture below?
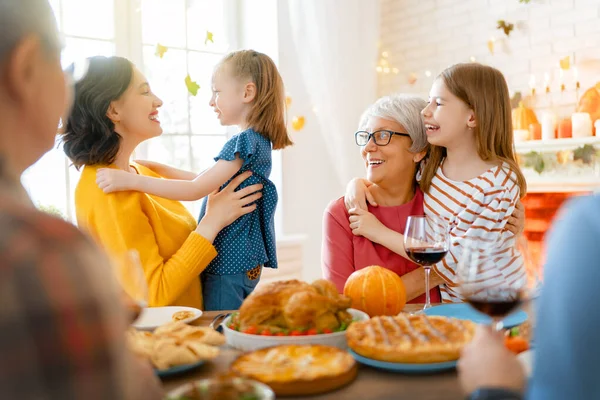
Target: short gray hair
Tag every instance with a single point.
(19, 18)
(404, 109)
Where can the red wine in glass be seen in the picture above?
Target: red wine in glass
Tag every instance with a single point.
(496, 307)
(426, 241)
(427, 256)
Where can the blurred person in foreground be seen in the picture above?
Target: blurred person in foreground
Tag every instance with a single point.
(567, 323)
(61, 320)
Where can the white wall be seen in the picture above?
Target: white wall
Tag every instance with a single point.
(432, 34)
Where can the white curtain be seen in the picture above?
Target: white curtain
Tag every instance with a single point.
(337, 45)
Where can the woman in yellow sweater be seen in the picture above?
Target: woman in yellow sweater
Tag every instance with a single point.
(114, 111)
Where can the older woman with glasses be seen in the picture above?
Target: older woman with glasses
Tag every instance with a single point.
(392, 143)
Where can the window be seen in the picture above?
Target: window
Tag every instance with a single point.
(133, 28)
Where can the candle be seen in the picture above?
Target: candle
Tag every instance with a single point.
(532, 84)
(576, 78)
(564, 128)
(547, 82)
(597, 126)
(561, 79)
(535, 131)
(581, 125)
(548, 126)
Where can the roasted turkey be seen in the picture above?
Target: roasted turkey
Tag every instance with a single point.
(290, 305)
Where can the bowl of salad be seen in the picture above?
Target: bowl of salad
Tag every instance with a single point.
(222, 388)
(253, 338)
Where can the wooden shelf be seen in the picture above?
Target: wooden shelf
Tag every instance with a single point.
(555, 144)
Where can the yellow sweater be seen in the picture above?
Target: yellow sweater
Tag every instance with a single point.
(161, 230)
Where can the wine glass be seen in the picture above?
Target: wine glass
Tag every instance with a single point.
(482, 283)
(130, 275)
(426, 242)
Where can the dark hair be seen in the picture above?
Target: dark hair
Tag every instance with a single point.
(90, 136)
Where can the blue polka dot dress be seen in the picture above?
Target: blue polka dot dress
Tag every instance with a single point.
(250, 240)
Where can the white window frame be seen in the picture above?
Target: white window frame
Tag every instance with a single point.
(129, 44)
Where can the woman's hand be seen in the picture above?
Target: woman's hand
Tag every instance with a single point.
(516, 222)
(114, 180)
(487, 363)
(365, 224)
(224, 207)
(358, 194)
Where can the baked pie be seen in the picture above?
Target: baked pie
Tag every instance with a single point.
(410, 338)
(298, 369)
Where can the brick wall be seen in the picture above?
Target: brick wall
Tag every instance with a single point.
(429, 35)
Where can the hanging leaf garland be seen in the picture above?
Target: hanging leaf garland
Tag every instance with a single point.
(506, 27)
(191, 85)
(209, 38)
(160, 50)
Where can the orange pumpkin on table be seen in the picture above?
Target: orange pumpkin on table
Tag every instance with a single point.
(376, 291)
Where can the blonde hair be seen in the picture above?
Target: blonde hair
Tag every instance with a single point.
(267, 112)
(484, 90)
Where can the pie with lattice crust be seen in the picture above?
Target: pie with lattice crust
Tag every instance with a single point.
(410, 338)
(298, 369)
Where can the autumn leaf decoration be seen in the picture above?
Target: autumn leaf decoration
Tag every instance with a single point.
(506, 27)
(209, 37)
(191, 85)
(584, 153)
(160, 50)
(535, 160)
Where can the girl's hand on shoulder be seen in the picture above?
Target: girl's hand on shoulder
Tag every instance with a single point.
(113, 180)
(358, 194)
(365, 224)
(516, 221)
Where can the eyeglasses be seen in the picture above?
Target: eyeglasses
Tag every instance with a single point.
(381, 138)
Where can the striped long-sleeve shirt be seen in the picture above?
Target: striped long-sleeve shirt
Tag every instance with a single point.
(476, 209)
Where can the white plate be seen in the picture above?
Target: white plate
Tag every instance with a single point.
(247, 342)
(153, 317)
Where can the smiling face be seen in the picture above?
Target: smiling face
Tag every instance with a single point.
(137, 110)
(228, 100)
(389, 164)
(447, 118)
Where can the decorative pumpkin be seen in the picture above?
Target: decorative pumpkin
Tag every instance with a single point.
(590, 103)
(376, 291)
(522, 117)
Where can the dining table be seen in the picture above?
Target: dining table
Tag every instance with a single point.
(370, 383)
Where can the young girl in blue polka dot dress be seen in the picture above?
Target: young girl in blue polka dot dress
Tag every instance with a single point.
(247, 91)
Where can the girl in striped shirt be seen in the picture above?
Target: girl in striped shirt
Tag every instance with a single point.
(470, 178)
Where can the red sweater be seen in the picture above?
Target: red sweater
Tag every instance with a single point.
(343, 253)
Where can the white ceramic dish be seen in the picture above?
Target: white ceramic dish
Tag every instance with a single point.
(261, 391)
(247, 342)
(153, 317)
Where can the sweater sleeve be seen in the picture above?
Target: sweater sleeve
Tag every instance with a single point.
(121, 225)
(337, 249)
(482, 223)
